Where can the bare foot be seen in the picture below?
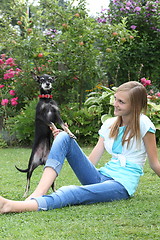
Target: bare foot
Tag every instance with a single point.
(4, 205)
(9, 206)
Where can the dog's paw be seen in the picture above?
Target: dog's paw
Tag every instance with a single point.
(72, 135)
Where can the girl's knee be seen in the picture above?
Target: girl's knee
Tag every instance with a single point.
(62, 136)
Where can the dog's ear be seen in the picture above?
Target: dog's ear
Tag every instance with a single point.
(53, 78)
(35, 77)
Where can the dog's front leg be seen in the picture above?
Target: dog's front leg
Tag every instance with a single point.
(53, 126)
(65, 128)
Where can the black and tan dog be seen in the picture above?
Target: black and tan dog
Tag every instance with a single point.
(47, 113)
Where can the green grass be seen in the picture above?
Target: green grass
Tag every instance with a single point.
(137, 218)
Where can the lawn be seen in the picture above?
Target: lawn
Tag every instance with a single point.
(137, 218)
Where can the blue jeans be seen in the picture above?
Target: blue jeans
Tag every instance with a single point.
(95, 186)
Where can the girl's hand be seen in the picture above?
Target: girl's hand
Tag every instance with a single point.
(55, 132)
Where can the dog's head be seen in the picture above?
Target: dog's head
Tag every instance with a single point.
(45, 81)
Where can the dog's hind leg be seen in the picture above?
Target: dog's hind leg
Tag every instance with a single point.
(27, 188)
(29, 174)
(38, 157)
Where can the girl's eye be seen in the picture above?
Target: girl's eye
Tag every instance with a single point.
(119, 100)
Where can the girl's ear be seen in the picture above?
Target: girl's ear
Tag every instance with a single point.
(35, 77)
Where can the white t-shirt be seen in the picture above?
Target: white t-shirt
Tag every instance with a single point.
(126, 164)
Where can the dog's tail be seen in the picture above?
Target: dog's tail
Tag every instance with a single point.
(22, 170)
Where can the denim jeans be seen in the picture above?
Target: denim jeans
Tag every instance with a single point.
(95, 186)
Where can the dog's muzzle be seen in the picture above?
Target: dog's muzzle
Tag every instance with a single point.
(46, 86)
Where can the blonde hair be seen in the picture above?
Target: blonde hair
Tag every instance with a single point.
(138, 99)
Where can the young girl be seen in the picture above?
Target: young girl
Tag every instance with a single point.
(129, 137)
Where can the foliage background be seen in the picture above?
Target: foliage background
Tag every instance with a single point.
(83, 53)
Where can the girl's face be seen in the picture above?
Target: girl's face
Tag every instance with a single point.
(122, 105)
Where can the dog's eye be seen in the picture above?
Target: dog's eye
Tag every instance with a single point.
(42, 80)
(50, 79)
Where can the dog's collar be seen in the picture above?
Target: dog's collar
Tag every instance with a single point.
(45, 96)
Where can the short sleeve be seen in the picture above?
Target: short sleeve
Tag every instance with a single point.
(146, 125)
(105, 127)
(152, 130)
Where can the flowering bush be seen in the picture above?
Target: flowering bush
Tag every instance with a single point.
(153, 104)
(8, 98)
(140, 14)
(141, 58)
(153, 93)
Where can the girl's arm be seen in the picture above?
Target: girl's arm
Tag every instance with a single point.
(97, 151)
(151, 148)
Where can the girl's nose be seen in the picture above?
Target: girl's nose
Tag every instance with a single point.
(115, 104)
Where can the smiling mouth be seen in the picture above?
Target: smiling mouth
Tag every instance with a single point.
(116, 109)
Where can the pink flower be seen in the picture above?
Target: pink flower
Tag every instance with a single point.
(128, 3)
(138, 9)
(18, 70)
(1, 86)
(3, 55)
(133, 27)
(14, 101)
(9, 74)
(10, 61)
(4, 102)
(158, 94)
(12, 92)
(1, 62)
(145, 82)
(148, 82)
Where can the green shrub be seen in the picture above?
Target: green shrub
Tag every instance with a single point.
(3, 143)
(84, 123)
(22, 125)
(101, 101)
